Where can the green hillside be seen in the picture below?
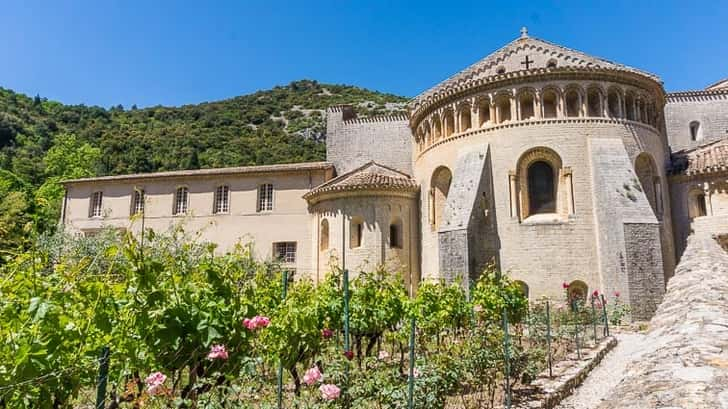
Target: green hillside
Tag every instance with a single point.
(43, 142)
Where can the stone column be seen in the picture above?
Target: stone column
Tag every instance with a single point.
(493, 112)
(514, 111)
(708, 199)
(474, 115)
(605, 104)
(537, 105)
(582, 105)
(513, 187)
(569, 188)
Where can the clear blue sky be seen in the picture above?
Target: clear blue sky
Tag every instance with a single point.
(171, 53)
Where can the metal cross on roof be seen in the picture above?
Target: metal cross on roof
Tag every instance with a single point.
(527, 62)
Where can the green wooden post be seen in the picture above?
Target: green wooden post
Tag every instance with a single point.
(411, 380)
(506, 350)
(594, 319)
(548, 338)
(103, 377)
(280, 364)
(347, 346)
(604, 313)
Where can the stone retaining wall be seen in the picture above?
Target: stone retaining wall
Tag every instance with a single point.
(686, 362)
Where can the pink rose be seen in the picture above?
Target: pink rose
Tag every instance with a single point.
(616, 294)
(218, 352)
(349, 355)
(383, 355)
(256, 322)
(312, 376)
(329, 391)
(595, 294)
(155, 382)
(416, 372)
(565, 285)
(327, 333)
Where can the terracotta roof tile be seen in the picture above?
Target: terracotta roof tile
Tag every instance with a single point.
(712, 157)
(371, 176)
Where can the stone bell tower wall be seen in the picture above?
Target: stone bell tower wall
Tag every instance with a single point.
(352, 142)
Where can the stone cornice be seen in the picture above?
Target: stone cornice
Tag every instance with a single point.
(423, 106)
(700, 95)
(323, 196)
(538, 122)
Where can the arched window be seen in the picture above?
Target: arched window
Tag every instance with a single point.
(439, 189)
(449, 123)
(594, 102)
(572, 101)
(503, 109)
(644, 167)
(697, 204)
(526, 105)
(356, 233)
(137, 201)
(483, 112)
(537, 182)
(324, 235)
(465, 121)
(629, 106)
(541, 188)
(613, 104)
(395, 234)
(695, 133)
(436, 129)
(181, 199)
(550, 103)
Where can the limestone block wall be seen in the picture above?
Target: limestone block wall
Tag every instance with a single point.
(683, 361)
(352, 142)
(709, 109)
(376, 212)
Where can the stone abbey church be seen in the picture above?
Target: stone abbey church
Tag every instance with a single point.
(555, 165)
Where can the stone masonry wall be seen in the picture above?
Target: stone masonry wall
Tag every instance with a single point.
(711, 111)
(352, 142)
(686, 361)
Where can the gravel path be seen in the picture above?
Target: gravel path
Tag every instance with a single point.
(608, 374)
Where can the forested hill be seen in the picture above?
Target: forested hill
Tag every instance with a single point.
(42, 142)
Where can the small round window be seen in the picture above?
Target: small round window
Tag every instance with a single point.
(500, 70)
(551, 64)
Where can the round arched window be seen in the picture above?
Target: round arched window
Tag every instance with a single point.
(541, 188)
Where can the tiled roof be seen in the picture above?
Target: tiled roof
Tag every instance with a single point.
(486, 67)
(712, 157)
(371, 176)
(286, 167)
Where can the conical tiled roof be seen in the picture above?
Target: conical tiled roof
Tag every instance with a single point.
(371, 176)
(543, 56)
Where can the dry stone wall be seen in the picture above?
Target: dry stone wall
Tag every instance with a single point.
(686, 364)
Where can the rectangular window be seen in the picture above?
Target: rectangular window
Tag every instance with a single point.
(180, 201)
(137, 201)
(265, 197)
(395, 238)
(96, 208)
(222, 199)
(285, 251)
